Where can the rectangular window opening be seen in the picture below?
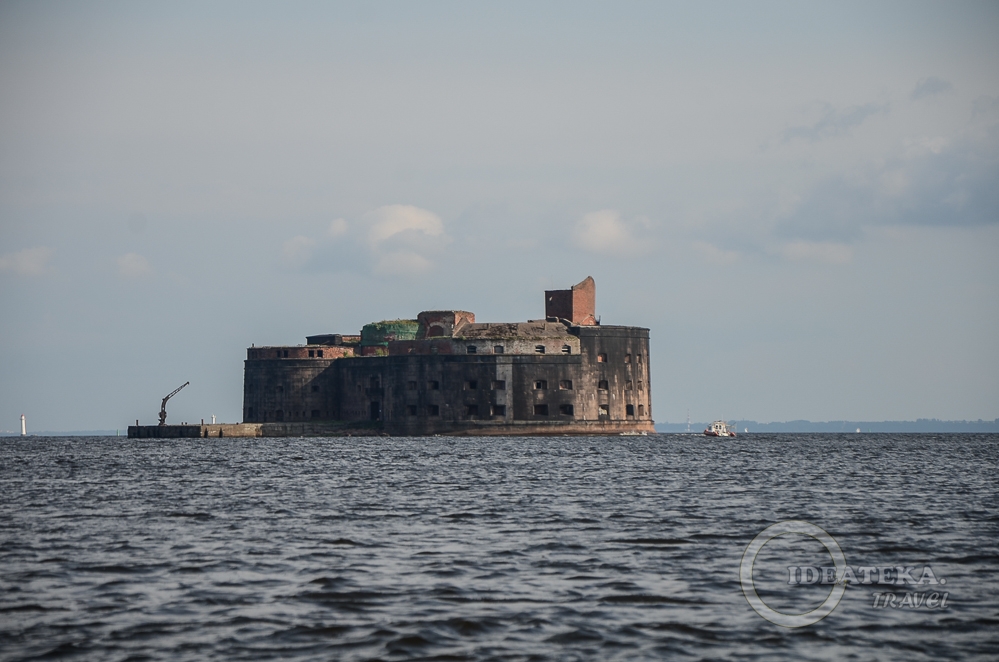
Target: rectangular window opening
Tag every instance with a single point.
(499, 385)
(566, 410)
(629, 410)
(567, 349)
(539, 349)
(601, 358)
(433, 410)
(434, 385)
(471, 349)
(602, 385)
(498, 349)
(315, 413)
(565, 384)
(604, 411)
(627, 385)
(641, 410)
(312, 354)
(540, 410)
(471, 385)
(541, 385)
(471, 410)
(498, 410)
(319, 353)
(627, 358)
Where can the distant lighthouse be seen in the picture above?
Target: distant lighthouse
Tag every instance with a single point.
(24, 430)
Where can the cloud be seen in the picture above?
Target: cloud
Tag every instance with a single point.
(26, 262)
(338, 227)
(834, 122)
(297, 251)
(927, 181)
(915, 147)
(393, 240)
(389, 221)
(606, 232)
(826, 252)
(133, 265)
(929, 87)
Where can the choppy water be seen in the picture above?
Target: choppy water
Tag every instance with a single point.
(510, 549)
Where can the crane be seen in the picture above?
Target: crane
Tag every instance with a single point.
(163, 406)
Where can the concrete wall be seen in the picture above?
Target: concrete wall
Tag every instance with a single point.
(284, 390)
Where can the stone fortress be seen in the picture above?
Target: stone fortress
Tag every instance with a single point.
(443, 373)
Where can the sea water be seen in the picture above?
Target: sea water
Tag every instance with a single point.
(567, 548)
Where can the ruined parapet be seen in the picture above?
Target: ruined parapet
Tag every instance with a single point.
(576, 305)
(312, 351)
(333, 339)
(442, 323)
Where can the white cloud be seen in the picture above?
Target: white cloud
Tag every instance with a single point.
(26, 262)
(297, 251)
(605, 231)
(393, 240)
(133, 265)
(338, 227)
(817, 251)
(392, 220)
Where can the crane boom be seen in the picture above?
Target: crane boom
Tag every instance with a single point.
(170, 395)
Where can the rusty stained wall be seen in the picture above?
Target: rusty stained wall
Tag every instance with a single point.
(401, 385)
(626, 371)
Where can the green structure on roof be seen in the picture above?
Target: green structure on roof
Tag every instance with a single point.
(378, 334)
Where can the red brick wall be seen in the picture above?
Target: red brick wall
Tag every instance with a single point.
(578, 305)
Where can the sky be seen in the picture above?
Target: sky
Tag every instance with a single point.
(800, 200)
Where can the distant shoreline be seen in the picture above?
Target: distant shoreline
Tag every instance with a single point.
(929, 425)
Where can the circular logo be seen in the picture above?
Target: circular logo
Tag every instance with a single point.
(749, 587)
